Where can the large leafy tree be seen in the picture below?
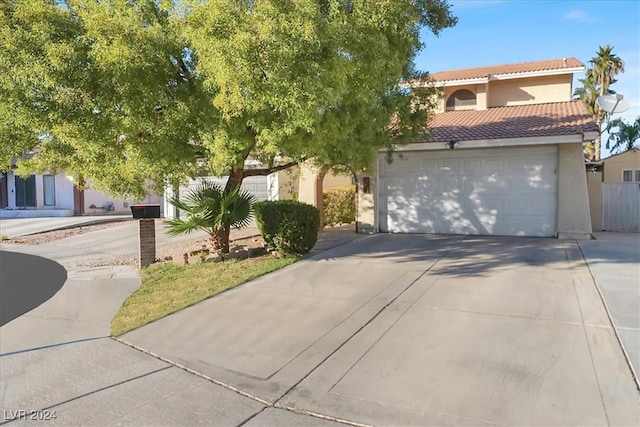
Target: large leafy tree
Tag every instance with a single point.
(622, 135)
(599, 77)
(126, 92)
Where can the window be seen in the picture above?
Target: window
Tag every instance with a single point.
(630, 175)
(460, 99)
(49, 189)
(25, 191)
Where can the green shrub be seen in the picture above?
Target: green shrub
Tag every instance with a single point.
(288, 226)
(339, 205)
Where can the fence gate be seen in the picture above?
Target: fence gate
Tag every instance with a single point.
(621, 206)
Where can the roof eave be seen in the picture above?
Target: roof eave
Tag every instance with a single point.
(494, 143)
(541, 73)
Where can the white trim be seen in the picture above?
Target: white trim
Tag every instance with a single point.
(590, 136)
(273, 186)
(458, 82)
(543, 73)
(488, 143)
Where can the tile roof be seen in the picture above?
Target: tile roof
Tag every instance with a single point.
(523, 67)
(521, 121)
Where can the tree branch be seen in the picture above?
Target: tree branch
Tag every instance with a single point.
(269, 171)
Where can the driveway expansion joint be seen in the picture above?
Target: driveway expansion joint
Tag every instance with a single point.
(266, 403)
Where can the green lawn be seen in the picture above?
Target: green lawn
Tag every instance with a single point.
(167, 288)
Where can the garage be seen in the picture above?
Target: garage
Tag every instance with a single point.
(509, 191)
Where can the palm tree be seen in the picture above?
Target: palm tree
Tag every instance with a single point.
(588, 93)
(606, 65)
(625, 136)
(209, 209)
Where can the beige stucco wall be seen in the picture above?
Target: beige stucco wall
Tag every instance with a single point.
(307, 184)
(613, 166)
(535, 90)
(594, 187)
(333, 180)
(482, 97)
(289, 183)
(99, 199)
(574, 219)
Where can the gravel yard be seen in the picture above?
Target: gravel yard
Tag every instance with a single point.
(173, 249)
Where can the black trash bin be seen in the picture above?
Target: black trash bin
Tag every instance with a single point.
(145, 211)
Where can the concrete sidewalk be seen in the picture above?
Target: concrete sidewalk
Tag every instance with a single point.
(614, 261)
(17, 227)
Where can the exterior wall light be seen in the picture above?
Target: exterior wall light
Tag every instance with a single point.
(451, 144)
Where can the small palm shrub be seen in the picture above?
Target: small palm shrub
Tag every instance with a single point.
(289, 226)
(339, 205)
(208, 208)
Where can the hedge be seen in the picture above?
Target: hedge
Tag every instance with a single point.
(339, 205)
(289, 226)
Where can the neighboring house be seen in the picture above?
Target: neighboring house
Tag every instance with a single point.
(51, 195)
(36, 195)
(96, 202)
(619, 173)
(504, 157)
(282, 185)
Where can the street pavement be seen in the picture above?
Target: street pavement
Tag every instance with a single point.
(23, 292)
(373, 330)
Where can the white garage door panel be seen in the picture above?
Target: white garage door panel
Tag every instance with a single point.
(256, 185)
(508, 191)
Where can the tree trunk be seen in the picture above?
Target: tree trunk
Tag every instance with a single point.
(220, 241)
(597, 144)
(235, 179)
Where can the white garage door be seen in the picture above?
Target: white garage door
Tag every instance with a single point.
(256, 185)
(505, 191)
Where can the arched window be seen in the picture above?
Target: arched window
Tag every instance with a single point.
(462, 98)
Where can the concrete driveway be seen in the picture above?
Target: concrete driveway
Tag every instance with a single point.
(414, 330)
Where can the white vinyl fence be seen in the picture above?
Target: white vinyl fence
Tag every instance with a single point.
(621, 206)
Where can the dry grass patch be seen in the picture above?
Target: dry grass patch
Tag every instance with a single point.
(167, 288)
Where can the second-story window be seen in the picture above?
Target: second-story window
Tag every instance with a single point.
(462, 99)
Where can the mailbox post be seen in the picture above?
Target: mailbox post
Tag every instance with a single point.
(146, 215)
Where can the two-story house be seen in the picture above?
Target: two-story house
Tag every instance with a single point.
(504, 157)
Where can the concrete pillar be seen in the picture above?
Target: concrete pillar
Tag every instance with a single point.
(147, 240)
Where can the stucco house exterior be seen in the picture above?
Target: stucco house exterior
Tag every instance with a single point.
(51, 195)
(296, 182)
(504, 157)
(622, 169)
(36, 195)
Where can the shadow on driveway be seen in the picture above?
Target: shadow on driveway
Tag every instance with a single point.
(27, 281)
(466, 255)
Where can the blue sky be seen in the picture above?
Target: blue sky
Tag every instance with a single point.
(491, 32)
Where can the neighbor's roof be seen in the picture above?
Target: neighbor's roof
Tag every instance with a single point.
(497, 70)
(521, 121)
